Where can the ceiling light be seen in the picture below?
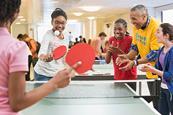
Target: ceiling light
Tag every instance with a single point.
(23, 19)
(78, 13)
(20, 17)
(91, 18)
(54, 2)
(90, 8)
(18, 23)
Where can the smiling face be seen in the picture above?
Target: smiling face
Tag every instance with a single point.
(137, 18)
(119, 30)
(161, 37)
(59, 23)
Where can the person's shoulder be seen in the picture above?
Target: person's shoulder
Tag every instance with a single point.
(153, 19)
(134, 29)
(154, 22)
(18, 44)
(15, 46)
(112, 37)
(30, 40)
(128, 38)
(48, 34)
(13, 41)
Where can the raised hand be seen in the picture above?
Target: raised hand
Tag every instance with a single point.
(128, 66)
(47, 58)
(147, 68)
(115, 50)
(121, 59)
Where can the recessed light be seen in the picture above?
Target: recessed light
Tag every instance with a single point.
(23, 20)
(20, 17)
(90, 8)
(91, 18)
(78, 13)
(18, 23)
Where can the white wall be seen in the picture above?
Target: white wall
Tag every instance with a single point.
(19, 28)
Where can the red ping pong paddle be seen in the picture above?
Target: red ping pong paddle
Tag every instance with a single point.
(59, 52)
(83, 53)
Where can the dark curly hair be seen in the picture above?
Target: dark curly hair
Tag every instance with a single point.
(122, 21)
(102, 34)
(8, 8)
(167, 29)
(58, 12)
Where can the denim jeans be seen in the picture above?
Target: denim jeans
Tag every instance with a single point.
(165, 102)
(39, 77)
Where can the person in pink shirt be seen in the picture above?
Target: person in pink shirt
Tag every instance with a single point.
(14, 65)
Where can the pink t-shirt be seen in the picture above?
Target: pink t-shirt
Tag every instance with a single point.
(13, 58)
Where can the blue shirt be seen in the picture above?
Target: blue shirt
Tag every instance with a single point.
(167, 68)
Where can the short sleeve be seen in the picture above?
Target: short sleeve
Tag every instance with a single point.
(18, 57)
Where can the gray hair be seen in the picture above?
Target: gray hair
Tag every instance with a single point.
(140, 8)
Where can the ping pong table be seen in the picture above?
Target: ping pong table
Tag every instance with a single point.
(90, 98)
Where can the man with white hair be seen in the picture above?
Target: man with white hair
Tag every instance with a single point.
(144, 43)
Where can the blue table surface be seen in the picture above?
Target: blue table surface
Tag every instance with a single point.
(85, 98)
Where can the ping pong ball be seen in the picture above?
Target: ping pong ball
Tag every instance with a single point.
(57, 33)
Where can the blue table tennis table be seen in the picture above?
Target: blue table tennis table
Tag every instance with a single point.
(91, 98)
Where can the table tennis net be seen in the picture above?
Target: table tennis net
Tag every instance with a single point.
(109, 90)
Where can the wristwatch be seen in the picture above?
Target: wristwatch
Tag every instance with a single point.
(135, 62)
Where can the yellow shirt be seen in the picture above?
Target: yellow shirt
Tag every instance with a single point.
(146, 41)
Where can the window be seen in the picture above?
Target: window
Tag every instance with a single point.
(167, 16)
(75, 28)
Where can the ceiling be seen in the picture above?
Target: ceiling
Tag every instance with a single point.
(40, 10)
